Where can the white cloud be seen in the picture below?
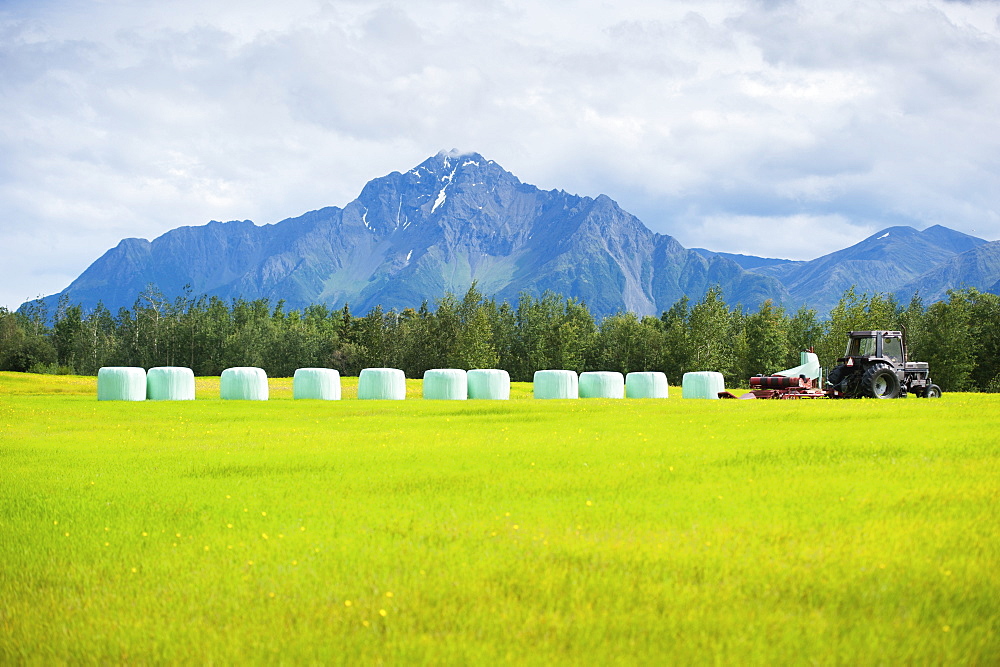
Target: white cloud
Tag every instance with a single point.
(777, 236)
(723, 123)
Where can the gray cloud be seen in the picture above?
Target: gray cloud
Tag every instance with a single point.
(776, 128)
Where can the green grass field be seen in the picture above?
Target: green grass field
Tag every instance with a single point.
(529, 532)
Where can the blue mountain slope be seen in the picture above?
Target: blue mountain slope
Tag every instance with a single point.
(458, 218)
(978, 267)
(413, 236)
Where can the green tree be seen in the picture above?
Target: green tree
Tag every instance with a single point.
(24, 340)
(624, 343)
(711, 335)
(572, 336)
(68, 326)
(96, 341)
(804, 332)
(504, 322)
(676, 340)
(12, 337)
(474, 346)
(985, 320)
(948, 344)
(767, 341)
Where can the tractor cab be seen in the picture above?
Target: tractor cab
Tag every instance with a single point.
(871, 345)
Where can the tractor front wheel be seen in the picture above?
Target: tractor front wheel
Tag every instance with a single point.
(880, 381)
(933, 391)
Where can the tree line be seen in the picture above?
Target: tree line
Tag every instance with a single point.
(959, 337)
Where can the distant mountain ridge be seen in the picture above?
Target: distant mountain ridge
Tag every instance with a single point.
(979, 268)
(458, 218)
(884, 262)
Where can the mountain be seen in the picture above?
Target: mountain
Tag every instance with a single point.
(458, 218)
(409, 237)
(978, 267)
(884, 262)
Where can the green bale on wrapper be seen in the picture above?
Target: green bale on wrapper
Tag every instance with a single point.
(647, 384)
(602, 384)
(382, 384)
(316, 383)
(170, 383)
(702, 384)
(121, 383)
(243, 383)
(446, 384)
(555, 384)
(809, 367)
(489, 383)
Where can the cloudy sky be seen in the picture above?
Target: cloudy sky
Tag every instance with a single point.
(776, 128)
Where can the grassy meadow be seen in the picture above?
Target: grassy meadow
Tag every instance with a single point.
(522, 531)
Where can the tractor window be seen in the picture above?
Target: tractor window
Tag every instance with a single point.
(861, 347)
(893, 349)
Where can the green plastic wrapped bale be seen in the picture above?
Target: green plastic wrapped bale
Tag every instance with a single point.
(382, 384)
(243, 383)
(646, 384)
(555, 384)
(316, 383)
(121, 383)
(809, 367)
(489, 383)
(448, 384)
(602, 384)
(170, 383)
(702, 384)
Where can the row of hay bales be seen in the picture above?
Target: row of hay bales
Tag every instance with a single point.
(249, 383)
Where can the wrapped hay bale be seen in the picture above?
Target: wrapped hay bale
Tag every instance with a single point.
(809, 367)
(382, 384)
(170, 383)
(489, 383)
(702, 384)
(602, 384)
(121, 383)
(243, 383)
(647, 384)
(446, 384)
(319, 383)
(555, 384)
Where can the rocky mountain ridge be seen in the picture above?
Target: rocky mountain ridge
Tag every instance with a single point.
(458, 218)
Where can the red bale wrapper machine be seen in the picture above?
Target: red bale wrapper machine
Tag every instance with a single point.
(803, 381)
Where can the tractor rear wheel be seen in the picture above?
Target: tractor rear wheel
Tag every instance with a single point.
(880, 381)
(933, 391)
(837, 374)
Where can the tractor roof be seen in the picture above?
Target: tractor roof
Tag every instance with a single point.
(872, 334)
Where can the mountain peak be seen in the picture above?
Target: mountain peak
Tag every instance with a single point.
(953, 240)
(893, 233)
(454, 154)
(449, 161)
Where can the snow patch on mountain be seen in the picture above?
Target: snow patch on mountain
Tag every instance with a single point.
(440, 199)
(447, 180)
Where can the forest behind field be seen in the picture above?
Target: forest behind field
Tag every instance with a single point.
(959, 337)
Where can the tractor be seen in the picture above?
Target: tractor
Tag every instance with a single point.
(875, 366)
